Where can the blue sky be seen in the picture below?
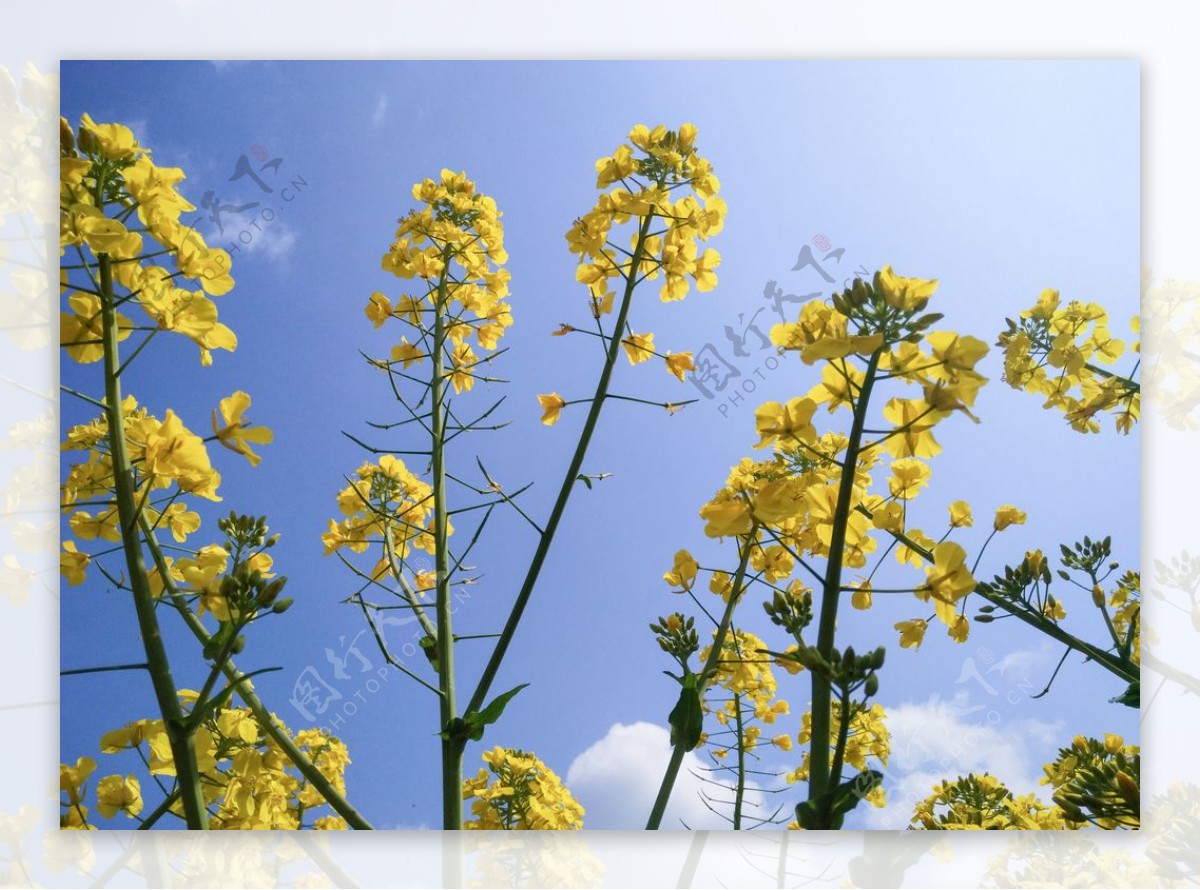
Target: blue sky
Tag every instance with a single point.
(999, 179)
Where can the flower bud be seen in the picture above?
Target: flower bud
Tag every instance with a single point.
(872, 685)
(1129, 788)
(88, 143)
(66, 138)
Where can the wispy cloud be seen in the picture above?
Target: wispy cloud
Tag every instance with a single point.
(944, 739)
(275, 241)
(381, 104)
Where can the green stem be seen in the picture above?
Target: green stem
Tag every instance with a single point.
(1124, 668)
(452, 747)
(706, 673)
(245, 692)
(569, 480)
(740, 792)
(839, 753)
(819, 771)
(181, 737)
(159, 811)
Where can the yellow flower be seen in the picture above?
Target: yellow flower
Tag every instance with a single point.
(174, 452)
(463, 359)
(679, 362)
(119, 794)
(861, 598)
(726, 516)
(406, 352)
(552, 405)
(911, 632)
(907, 294)
(949, 579)
(379, 309)
(619, 166)
(914, 420)
(829, 348)
(774, 562)
(236, 433)
(73, 564)
(639, 347)
(1008, 515)
(788, 425)
(181, 521)
(889, 517)
(115, 141)
(71, 778)
(683, 572)
(909, 476)
(81, 330)
(960, 515)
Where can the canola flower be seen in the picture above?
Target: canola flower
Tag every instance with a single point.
(1095, 782)
(517, 792)
(657, 210)
(1059, 352)
(249, 781)
(816, 498)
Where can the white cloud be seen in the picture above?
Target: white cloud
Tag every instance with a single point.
(381, 104)
(251, 234)
(944, 739)
(618, 777)
(275, 240)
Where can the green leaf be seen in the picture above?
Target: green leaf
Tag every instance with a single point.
(687, 717)
(828, 812)
(846, 796)
(476, 720)
(809, 815)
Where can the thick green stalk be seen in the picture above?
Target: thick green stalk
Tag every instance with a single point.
(452, 747)
(818, 779)
(569, 480)
(706, 673)
(180, 735)
(245, 692)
